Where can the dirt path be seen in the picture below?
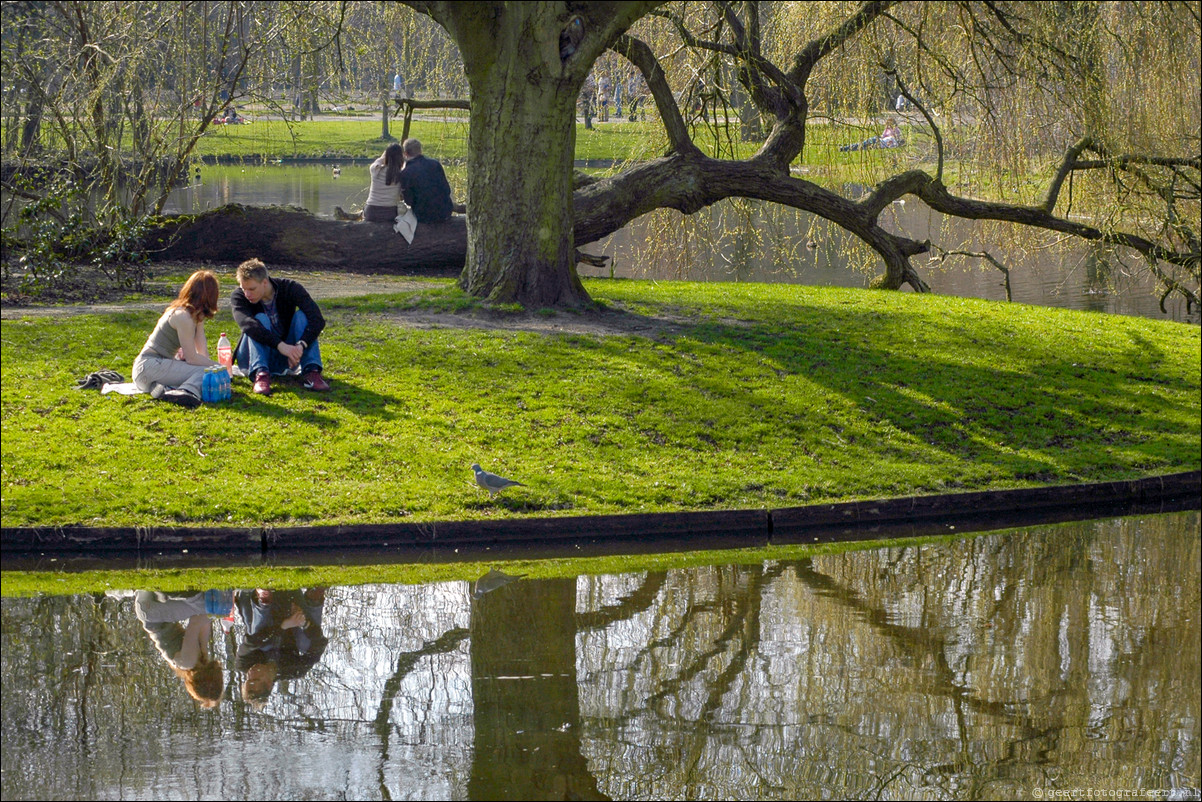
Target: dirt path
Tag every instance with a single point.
(347, 285)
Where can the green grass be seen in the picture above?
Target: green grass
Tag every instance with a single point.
(447, 139)
(327, 138)
(616, 140)
(619, 141)
(757, 396)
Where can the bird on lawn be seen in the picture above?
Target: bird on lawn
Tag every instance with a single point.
(491, 482)
(491, 581)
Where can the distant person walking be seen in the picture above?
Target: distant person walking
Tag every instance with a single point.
(588, 97)
(603, 97)
(424, 185)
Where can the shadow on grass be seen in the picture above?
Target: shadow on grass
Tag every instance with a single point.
(356, 399)
(515, 504)
(1010, 396)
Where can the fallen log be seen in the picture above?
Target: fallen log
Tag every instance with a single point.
(291, 236)
(295, 237)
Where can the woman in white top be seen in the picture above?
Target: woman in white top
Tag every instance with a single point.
(891, 136)
(173, 361)
(385, 192)
(185, 647)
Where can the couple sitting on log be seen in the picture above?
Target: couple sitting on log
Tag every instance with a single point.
(403, 172)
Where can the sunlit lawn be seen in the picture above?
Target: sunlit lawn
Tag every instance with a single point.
(755, 396)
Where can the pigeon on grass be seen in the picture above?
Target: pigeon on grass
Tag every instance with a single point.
(491, 482)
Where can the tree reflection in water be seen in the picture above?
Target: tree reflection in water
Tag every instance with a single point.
(1060, 656)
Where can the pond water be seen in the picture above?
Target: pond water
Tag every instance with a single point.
(748, 241)
(1017, 664)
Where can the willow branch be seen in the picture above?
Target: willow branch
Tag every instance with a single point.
(818, 49)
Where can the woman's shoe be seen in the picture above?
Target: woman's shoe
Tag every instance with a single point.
(181, 397)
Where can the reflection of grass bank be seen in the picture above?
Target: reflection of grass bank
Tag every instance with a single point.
(280, 577)
(677, 397)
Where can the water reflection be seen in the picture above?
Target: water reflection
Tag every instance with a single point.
(1062, 656)
(752, 241)
(282, 638)
(180, 629)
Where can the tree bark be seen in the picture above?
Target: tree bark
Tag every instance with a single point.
(520, 160)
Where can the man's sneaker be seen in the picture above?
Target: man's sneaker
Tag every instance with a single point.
(157, 390)
(314, 381)
(181, 397)
(262, 384)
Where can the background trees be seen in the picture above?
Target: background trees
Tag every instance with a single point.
(1080, 119)
(1011, 100)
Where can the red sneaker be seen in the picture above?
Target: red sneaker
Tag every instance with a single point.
(262, 384)
(314, 381)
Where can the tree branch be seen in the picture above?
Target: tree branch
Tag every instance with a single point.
(938, 198)
(639, 54)
(816, 50)
(987, 256)
(1066, 167)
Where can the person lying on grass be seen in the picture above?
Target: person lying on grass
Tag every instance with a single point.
(280, 325)
(889, 138)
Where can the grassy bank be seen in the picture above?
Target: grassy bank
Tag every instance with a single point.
(676, 397)
(617, 141)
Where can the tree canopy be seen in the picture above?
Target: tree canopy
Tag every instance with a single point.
(1017, 101)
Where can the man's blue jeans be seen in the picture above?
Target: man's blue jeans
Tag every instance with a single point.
(253, 356)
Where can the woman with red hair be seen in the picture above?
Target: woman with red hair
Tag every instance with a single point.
(173, 361)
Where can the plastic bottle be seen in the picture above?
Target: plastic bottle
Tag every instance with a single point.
(225, 353)
(210, 385)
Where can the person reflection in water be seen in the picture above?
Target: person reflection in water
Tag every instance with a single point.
(185, 646)
(283, 638)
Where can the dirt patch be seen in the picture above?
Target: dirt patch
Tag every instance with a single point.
(614, 322)
(609, 322)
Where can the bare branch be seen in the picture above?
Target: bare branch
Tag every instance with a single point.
(814, 52)
(640, 55)
(987, 256)
(1066, 166)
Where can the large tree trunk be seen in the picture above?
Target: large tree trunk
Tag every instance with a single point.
(523, 140)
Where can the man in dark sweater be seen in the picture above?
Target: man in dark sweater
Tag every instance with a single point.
(424, 185)
(280, 324)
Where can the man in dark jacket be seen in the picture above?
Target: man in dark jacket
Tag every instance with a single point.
(280, 324)
(424, 185)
